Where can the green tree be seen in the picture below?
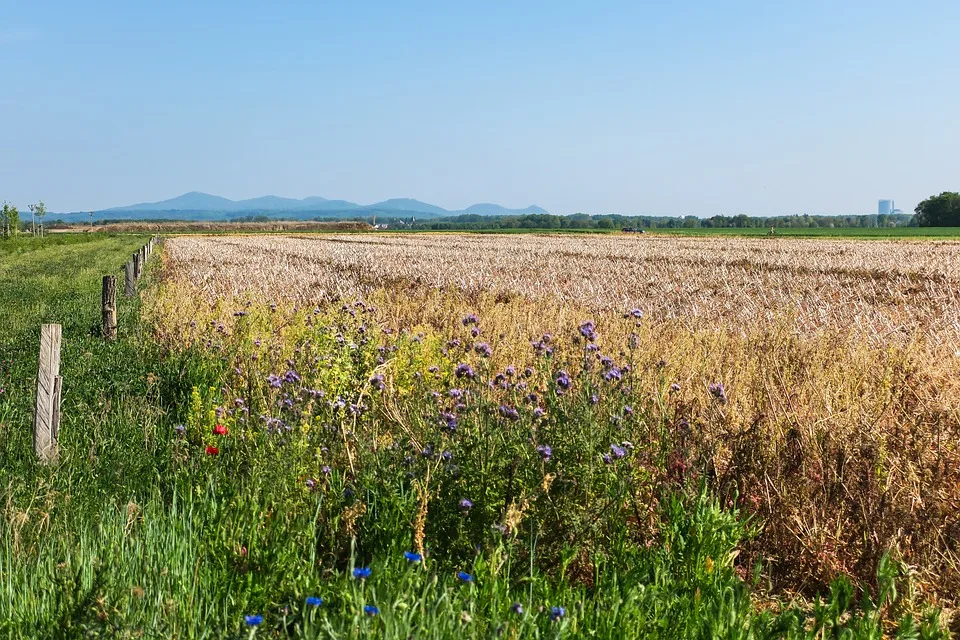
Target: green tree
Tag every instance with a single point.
(939, 211)
(9, 220)
(39, 210)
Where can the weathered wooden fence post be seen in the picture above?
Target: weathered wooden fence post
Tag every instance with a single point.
(46, 418)
(137, 266)
(129, 280)
(109, 299)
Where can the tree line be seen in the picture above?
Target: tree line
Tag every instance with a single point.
(11, 225)
(616, 221)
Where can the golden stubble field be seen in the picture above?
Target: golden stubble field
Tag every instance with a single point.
(840, 358)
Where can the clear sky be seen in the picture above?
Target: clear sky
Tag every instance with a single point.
(664, 108)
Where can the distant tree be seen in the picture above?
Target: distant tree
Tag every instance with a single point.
(39, 210)
(9, 220)
(939, 211)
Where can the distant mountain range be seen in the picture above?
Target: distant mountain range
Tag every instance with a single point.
(203, 206)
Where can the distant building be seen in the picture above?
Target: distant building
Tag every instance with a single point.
(885, 207)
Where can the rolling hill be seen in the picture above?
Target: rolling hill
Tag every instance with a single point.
(197, 205)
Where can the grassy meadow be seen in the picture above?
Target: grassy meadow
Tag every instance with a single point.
(377, 455)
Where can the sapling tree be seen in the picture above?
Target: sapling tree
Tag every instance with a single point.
(10, 220)
(38, 210)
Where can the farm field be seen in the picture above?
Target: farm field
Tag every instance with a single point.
(464, 435)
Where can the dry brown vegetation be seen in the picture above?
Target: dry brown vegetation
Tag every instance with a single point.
(840, 359)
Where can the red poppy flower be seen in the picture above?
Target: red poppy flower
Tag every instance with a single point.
(220, 430)
(212, 451)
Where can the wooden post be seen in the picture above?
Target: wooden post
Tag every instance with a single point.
(109, 299)
(129, 280)
(137, 266)
(46, 419)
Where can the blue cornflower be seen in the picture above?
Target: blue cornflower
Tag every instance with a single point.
(463, 576)
(412, 557)
(617, 451)
(545, 451)
(253, 621)
(314, 601)
(466, 504)
(557, 612)
(361, 572)
(371, 610)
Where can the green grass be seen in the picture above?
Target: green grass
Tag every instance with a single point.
(138, 531)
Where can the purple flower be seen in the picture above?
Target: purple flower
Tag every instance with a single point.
(470, 319)
(674, 387)
(594, 399)
(180, 429)
(509, 412)
(311, 483)
(718, 391)
(634, 313)
(325, 470)
(613, 375)
(456, 394)
(464, 370)
(377, 382)
(628, 410)
(450, 420)
(475, 332)
(606, 458)
(483, 349)
(291, 376)
(466, 505)
(556, 613)
(274, 381)
(545, 451)
(539, 412)
(617, 451)
(563, 379)
(510, 371)
(588, 330)
(517, 608)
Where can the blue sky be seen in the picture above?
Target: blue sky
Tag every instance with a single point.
(664, 108)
